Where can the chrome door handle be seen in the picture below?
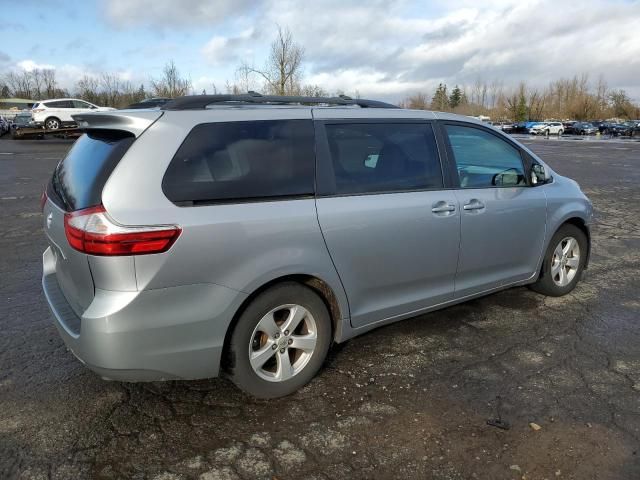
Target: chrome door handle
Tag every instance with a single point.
(443, 209)
(474, 205)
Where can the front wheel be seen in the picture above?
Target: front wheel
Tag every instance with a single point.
(280, 341)
(563, 262)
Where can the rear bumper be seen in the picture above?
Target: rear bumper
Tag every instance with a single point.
(169, 333)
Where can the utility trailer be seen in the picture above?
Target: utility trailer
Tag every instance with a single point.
(20, 133)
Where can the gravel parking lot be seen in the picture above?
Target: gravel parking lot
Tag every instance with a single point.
(409, 400)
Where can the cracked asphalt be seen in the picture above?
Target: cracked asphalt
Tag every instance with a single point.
(410, 400)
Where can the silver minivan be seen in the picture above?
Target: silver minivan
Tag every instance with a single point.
(247, 233)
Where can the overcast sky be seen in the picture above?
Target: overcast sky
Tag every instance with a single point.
(384, 49)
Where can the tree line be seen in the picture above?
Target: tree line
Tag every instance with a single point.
(106, 89)
(564, 99)
(283, 74)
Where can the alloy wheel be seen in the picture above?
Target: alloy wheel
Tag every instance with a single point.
(282, 343)
(565, 261)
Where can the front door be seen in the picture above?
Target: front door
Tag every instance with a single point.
(391, 229)
(503, 218)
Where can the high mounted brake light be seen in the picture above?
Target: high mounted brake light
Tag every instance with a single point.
(91, 231)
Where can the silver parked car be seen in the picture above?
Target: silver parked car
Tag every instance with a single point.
(248, 233)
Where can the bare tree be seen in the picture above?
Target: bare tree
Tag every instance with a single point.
(20, 83)
(171, 84)
(49, 82)
(313, 91)
(283, 70)
(244, 79)
(417, 101)
(111, 88)
(88, 88)
(37, 81)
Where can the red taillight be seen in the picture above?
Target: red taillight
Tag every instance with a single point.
(92, 231)
(43, 199)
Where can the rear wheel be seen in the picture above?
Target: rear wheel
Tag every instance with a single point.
(280, 341)
(563, 262)
(52, 123)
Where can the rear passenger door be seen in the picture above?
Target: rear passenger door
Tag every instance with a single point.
(62, 109)
(390, 227)
(503, 218)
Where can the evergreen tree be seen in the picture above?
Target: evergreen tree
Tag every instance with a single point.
(521, 110)
(440, 100)
(455, 98)
(141, 94)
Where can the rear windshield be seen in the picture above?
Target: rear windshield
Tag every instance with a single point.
(242, 161)
(79, 178)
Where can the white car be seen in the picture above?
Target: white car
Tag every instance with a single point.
(56, 113)
(547, 128)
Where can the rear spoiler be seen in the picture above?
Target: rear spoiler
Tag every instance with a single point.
(133, 121)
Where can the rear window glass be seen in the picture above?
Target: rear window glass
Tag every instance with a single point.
(79, 178)
(242, 161)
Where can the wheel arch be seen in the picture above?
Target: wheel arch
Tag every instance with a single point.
(49, 117)
(579, 223)
(582, 225)
(318, 285)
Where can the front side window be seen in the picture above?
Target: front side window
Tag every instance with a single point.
(80, 104)
(483, 159)
(377, 158)
(243, 161)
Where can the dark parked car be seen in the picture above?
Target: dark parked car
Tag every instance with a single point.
(22, 120)
(519, 127)
(568, 126)
(584, 128)
(619, 129)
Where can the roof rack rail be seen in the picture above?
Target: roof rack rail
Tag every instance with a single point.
(197, 102)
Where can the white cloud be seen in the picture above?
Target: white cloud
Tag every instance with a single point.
(222, 50)
(30, 65)
(390, 48)
(171, 13)
(383, 48)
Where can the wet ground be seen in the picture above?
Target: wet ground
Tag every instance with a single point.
(409, 400)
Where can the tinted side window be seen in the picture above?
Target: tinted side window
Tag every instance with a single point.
(243, 161)
(80, 104)
(483, 159)
(60, 104)
(370, 158)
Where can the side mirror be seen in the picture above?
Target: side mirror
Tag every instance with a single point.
(539, 174)
(509, 178)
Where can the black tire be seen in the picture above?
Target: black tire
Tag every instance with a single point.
(239, 366)
(52, 123)
(545, 283)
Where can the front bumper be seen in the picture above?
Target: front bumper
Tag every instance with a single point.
(162, 334)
